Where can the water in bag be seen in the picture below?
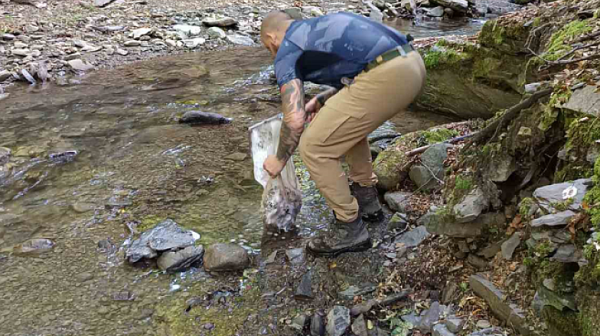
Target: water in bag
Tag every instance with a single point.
(282, 199)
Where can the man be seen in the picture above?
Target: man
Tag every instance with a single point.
(375, 73)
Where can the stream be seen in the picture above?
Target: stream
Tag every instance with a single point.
(103, 155)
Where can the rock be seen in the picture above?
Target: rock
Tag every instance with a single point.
(83, 277)
(585, 100)
(441, 330)
(449, 12)
(413, 237)
(102, 3)
(180, 260)
(483, 324)
(226, 257)
(457, 5)
(219, 22)
(359, 327)
(122, 52)
(353, 291)
(79, 65)
(449, 293)
(567, 254)
(436, 12)
(4, 155)
(592, 155)
(317, 326)
(295, 256)
(489, 332)
(375, 14)
(532, 87)
(216, 33)
(20, 52)
(165, 236)
(550, 284)
(398, 200)
(502, 167)
(294, 12)
(558, 219)
(431, 167)
(132, 43)
(430, 318)
(299, 322)
(491, 250)
(547, 297)
(412, 318)
(304, 289)
(399, 221)
(199, 117)
(33, 247)
(338, 321)
(8, 37)
(496, 300)
(20, 45)
(188, 30)
(312, 11)
(4, 75)
(553, 194)
(509, 246)
(437, 223)
(236, 157)
(477, 262)
(193, 43)
(240, 40)
(454, 324)
(141, 32)
(471, 206)
(81, 207)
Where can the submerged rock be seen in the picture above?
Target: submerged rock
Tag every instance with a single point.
(4, 155)
(166, 236)
(226, 257)
(34, 246)
(338, 321)
(206, 118)
(180, 260)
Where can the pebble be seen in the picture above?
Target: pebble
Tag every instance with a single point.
(8, 37)
(216, 33)
(122, 52)
(83, 277)
(20, 52)
(483, 324)
(20, 45)
(132, 43)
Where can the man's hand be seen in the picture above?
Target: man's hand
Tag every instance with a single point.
(312, 108)
(273, 166)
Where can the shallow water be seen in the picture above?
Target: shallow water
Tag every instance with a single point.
(428, 27)
(130, 166)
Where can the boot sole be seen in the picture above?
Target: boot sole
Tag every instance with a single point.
(356, 248)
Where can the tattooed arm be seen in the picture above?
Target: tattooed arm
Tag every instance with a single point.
(294, 116)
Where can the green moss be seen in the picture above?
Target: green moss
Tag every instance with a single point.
(439, 135)
(525, 206)
(557, 46)
(589, 316)
(463, 184)
(505, 36)
(149, 222)
(443, 56)
(552, 109)
(561, 323)
(562, 206)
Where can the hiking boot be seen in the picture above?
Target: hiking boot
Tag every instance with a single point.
(368, 202)
(341, 237)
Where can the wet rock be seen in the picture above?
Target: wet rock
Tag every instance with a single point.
(304, 289)
(81, 207)
(495, 298)
(216, 33)
(441, 330)
(8, 37)
(181, 260)
(141, 32)
(431, 170)
(457, 5)
(399, 221)
(167, 235)
(240, 40)
(359, 327)
(546, 297)
(471, 206)
(413, 237)
(586, 100)
(226, 257)
(236, 157)
(33, 247)
(317, 326)
(206, 118)
(20, 45)
(299, 322)
(398, 200)
(83, 277)
(102, 3)
(79, 65)
(430, 318)
(558, 219)
(436, 12)
(509, 246)
(553, 194)
(132, 43)
(28, 76)
(296, 256)
(338, 321)
(4, 75)
(567, 254)
(219, 22)
(4, 155)
(454, 324)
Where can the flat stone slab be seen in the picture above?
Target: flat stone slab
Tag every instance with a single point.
(585, 100)
(338, 321)
(398, 200)
(560, 193)
(414, 237)
(558, 219)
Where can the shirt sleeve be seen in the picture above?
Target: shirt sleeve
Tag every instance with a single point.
(286, 63)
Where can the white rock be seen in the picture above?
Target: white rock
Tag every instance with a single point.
(171, 43)
(188, 30)
(216, 33)
(122, 52)
(20, 52)
(35, 53)
(240, 40)
(193, 43)
(141, 32)
(20, 45)
(79, 65)
(132, 43)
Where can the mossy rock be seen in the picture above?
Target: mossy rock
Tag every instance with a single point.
(589, 312)
(506, 36)
(561, 323)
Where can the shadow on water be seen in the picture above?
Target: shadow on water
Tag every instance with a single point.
(94, 160)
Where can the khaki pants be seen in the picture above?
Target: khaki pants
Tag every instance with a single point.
(342, 125)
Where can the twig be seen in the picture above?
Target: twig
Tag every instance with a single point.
(511, 113)
(578, 48)
(449, 141)
(575, 60)
(432, 174)
(587, 37)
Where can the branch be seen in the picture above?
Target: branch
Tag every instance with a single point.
(578, 48)
(449, 141)
(587, 37)
(574, 60)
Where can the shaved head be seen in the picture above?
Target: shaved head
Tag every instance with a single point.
(272, 30)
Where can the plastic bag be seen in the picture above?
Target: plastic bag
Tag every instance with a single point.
(282, 199)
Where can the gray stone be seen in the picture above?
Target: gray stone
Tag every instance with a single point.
(592, 155)
(359, 327)
(137, 33)
(375, 14)
(240, 40)
(430, 172)
(509, 246)
(180, 260)
(454, 324)
(491, 250)
(4, 155)
(457, 5)
(4, 75)
(8, 37)
(532, 87)
(449, 292)
(495, 331)
(304, 289)
(413, 237)
(437, 223)
(550, 284)
(296, 256)
(398, 200)
(34, 246)
(412, 318)
(352, 291)
(188, 30)
(79, 43)
(317, 326)
(430, 318)
(496, 300)
(338, 321)
(294, 12)
(567, 254)
(194, 43)
(441, 330)
(399, 221)
(236, 157)
(165, 236)
(479, 263)
(299, 322)
(226, 257)
(20, 52)
(82, 207)
(558, 219)
(585, 100)
(553, 194)
(122, 52)
(471, 206)
(312, 11)
(216, 33)
(219, 22)
(502, 167)
(132, 43)
(20, 45)
(436, 12)
(546, 297)
(102, 3)
(83, 277)
(79, 65)
(483, 324)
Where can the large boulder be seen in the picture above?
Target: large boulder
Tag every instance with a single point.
(226, 257)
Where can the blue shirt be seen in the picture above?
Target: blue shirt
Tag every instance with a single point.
(325, 49)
